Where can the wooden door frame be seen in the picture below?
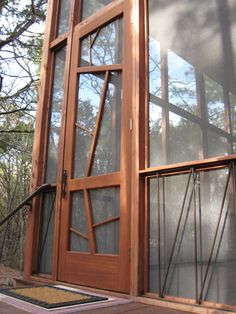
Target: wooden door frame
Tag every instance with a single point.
(132, 69)
(113, 179)
(50, 46)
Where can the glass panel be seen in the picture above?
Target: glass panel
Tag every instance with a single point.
(107, 153)
(155, 134)
(104, 46)
(64, 14)
(78, 243)
(106, 205)
(55, 118)
(215, 102)
(107, 238)
(217, 145)
(196, 66)
(78, 214)
(154, 67)
(90, 90)
(153, 238)
(220, 284)
(181, 279)
(92, 6)
(184, 141)
(85, 52)
(232, 99)
(182, 83)
(47, 234)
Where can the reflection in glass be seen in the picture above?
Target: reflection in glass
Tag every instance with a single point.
(104, 46)
(89, 95)
(55, 118)
(184, 141)
(182, 83)
(217, 145)
(78, 215)
(232, 99)
(154, 68)
(106, 205)
(155, 134)
(209, 187)
(92, 6)
(180, 280)
(63, 22)
(107, 238)
(47, 234)
(107, 154)
(215, 103)
(78, 243)
(193, 43)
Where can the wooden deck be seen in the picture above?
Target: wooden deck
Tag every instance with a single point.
(130, 308)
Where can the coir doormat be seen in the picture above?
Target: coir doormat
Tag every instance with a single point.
(51, 297)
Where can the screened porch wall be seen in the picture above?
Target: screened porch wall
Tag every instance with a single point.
(191, 119)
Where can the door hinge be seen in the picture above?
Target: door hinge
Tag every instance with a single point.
(63, 183)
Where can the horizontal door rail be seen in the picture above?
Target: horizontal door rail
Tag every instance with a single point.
(39, 190)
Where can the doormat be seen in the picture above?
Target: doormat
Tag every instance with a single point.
(51, 297)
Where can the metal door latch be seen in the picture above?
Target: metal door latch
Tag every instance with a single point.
(63, 183)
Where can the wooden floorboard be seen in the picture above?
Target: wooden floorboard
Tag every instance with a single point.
(129, 308)
(132, 308)
(9, 309)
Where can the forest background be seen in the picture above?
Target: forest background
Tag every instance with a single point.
(21, 37)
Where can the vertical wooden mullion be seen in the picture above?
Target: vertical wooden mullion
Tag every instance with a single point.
(56, 11)
(165, 112)
(77, 12)
(89, 216)
(201, 101)
(90, 51)
(98, 123)
(60, 203)
(228, 124)
(145, 41)
(146, 233)
(38, 156)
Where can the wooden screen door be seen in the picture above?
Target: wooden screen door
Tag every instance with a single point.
(94, 229)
